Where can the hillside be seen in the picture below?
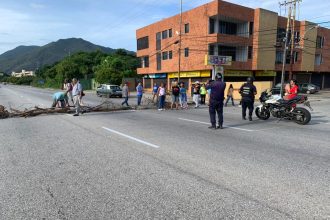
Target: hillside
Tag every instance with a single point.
(33, 57)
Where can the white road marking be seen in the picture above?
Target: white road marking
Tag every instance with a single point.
(131, 138)
(225, 112)
(200, 122)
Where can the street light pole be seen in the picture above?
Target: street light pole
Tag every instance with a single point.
(284, 51)
(180, 33)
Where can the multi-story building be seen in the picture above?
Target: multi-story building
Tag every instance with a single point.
(23, 73)
(252, 37)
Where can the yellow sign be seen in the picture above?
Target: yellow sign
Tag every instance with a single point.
(238, 73)
(265, 73)
(190, 74)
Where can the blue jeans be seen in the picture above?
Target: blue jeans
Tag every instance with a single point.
(139, 98)
(125, 101)
(161, 101)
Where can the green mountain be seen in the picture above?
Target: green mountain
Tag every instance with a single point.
(33, 57)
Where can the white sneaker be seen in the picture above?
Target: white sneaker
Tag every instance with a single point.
(160, 109)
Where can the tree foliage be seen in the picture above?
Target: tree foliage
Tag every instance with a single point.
(103, 67)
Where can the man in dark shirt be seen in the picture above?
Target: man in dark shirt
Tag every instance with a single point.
(216, 101)
(248, 91)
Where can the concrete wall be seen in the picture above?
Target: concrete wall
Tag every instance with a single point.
(308, 42)
(265, 22)
(261, 86)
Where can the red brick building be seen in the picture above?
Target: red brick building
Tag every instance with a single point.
(252, 37)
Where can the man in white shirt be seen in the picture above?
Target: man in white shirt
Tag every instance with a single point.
(76, 93)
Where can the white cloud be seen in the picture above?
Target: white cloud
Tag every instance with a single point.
(37, 6)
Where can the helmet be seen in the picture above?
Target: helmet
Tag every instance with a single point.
(250, 79)
(218, 76)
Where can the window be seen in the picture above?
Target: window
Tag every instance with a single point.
(186, 28)
(227, 28)
(279, 57)
(318, 59)
(170, 54)
(165, 55)
(144, 62)
(319, 42)
(186, 52)
(170, 34)
(164, 34)
(159, 61)
(158, 41)
(280, 34)
(250, 52)
(296, 37)
(212, 26)
(211, 49)
(251, 28)
(143, 43)
(295, 56)
(227, 51)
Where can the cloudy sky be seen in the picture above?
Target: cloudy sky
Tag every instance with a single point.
(110, 23)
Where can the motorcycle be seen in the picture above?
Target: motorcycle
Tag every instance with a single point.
(283, 109)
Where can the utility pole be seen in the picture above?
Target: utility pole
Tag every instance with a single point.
(292, 4)
(180, 37)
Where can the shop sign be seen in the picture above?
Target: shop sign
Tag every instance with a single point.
(238, 73)
(265, 73)
(190, 74)
(218, 60)
(156, 76)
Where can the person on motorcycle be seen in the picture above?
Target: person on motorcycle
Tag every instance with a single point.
(248, 92)
(293, 91)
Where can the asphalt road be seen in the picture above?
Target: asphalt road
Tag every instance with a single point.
(148, 164)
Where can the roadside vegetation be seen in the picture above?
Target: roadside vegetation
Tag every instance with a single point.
(104, 68)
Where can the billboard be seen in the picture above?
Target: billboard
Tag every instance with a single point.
(218, 60)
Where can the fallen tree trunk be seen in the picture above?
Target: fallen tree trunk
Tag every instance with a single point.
(12, 113)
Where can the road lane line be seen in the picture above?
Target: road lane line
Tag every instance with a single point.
(131, 138)
(225, 112)
(200, 122)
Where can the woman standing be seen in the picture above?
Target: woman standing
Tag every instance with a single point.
(230, 93)
(161, 94)
(183, 96)
(196, 89)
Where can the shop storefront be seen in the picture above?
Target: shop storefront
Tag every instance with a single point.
(190, 77)
(150, 79)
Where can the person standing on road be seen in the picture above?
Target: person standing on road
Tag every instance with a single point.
(183, 96)
(230, 94)
(77, 94)
(68, 87)
(216, 101)
(196, 89)
(139, 93)
(203, 94)
(125, 92)
(175, 95)
(162, 95)
(154, 93)
(248, 92)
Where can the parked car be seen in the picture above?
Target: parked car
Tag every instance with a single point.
(308, 88)
(109, 90)
(277, 89)
(303, 88)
